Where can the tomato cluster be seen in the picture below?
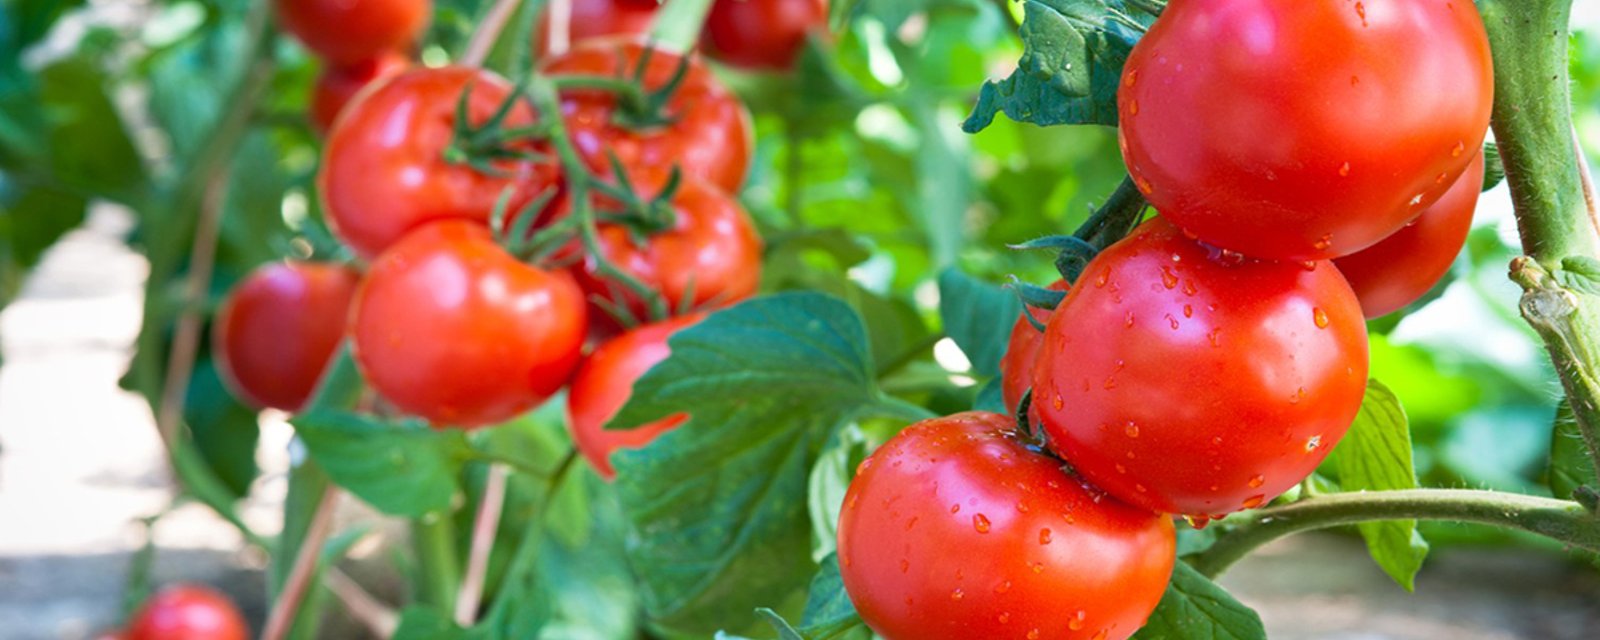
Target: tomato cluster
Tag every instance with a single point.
(1312, 164)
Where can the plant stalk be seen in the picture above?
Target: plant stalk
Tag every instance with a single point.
(484, 527)
(305, 565)
(434, 539)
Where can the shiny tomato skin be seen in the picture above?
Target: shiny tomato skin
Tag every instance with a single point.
(279, 327)
(710, 135)
(1022, 350)
(711, 257)
(605, 381)
(1183, 380)
(187, 612)
(349, 31)
(1303, 130)
(761, 34)
(383, 170)
(1401, 268)
(598, 19)
(337, 84)
(954, 530)
(451, 328)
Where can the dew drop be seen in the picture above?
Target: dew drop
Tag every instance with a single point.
(1313, 443)
(1440, 179)
(1004, 586)
(980, 523)
(1044, 536)
(1168, 278)
(1122, 469)
(1022, 507)
(1256, 482)
(1189, 288)
(905, 565)
(1127, 320)
(1344, 169)
(1254, 501)
(1361, 10)
(957, 594)
(1076, 622)
(1100, 280)
(1320, 317)
(1038, 567)
(1132, 430)
(1460, 148)
(1212, 336)
(1188, 311)
(1058, 402)
(1131, 78)
(1143, 184)
(1216, 440)
(1323, 243)
(955, 508)
(1003, 618)
(1033, 634)
(1197, 522)
(1099, 635)
(1140, 488)
(1133, 107)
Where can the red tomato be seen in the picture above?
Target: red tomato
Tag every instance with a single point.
(1397, 271)
(761, 34)
(955, 530)
(1303, 130)
(603, 384)
(349, 31)
(1016, 366)
(278, 328)
(187, 612)
(383, 170)
(1185, 380)
(450, 327)
(710, 132)
(591, 19)
(336, 85)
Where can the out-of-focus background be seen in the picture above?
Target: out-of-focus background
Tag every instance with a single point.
(81, 466)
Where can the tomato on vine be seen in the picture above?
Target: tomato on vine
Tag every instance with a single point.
(605, 381)
(697, 124)
(1022, 350)
(451, 328)
(384, 170)
(1303, 130)
(955, 529)
(187, 612)
(761, 34)
(338, 84)
(350, 31)
(1401, 268)
(1183, 379)
(279, 327)
(596, 19)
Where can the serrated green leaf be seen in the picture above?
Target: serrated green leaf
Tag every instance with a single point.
(1195, 608)
(978, 317)
(717, 507)
(1570, 466)
(402, 468)
(1580, 273)
(1375, 455)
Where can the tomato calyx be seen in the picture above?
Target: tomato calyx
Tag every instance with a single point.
(482, 145)
(637, 107)
(642, 216)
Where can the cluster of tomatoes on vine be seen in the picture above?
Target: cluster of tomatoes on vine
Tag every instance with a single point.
(1311, 164)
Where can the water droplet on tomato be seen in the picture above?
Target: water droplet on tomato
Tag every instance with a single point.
(1197, 522)
(1344, 169)
(1168, 278)
(1004, 586)
(1100, 280)
(1324, 242)
(905, 565)
(980, 523)
(1320, 317)
(1003, 618)
(1460, 148)
(1254, 501)
(1313, 443)
(1188, 311)
(1131, 77)
(1256, 482)
(1133, 107)
(957, 594)
(1132, 430)
(1033, 634)
(1100, 635)
(1044, 536)
(955, 508)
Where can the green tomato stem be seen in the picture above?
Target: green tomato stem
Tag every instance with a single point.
(434, 538)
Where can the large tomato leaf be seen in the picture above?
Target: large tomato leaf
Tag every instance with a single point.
(401, 468)
(1376, 456)
(1195, 608)
(978, 317)
(1072, 57)
(829, 615)
(717, 508)
(225, 431)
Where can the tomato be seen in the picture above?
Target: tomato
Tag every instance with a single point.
(1401, 268)
(383, 170)
(450, 327)
(1303, 130)
(591, 19)
(187, 612)
(603, 384)
(349, 31)
(955, 530)
(1016, 366)
(278, 328)
(336, 85)
(709, 135)
(1185, 380)
(761, 34)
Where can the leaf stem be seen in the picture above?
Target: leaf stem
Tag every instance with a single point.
(484, 527)
(304, 568)
(1560, 520)
(488, 32)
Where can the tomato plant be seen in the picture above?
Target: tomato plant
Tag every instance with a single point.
(1041, 555)
(278, 329)
(450, 327)
(350, 31)
(1303, 131)
(188, 612)
(336, 85)
(761, 34)
(602, 385)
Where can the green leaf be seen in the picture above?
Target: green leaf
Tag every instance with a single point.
(978, 316)
(1494, 169)
(717, 508)
(830, 478)
(1580, 273)
(678, 23)
(1570, 466)
(401, 468)
(225, 431)
(90, 150)
(829, 615)
(1376, 456)
(1195, 608)
(31, 220)
(422, 623)
(1072, 57)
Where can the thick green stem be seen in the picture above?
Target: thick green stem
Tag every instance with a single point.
(1559, 520)
(434, 539)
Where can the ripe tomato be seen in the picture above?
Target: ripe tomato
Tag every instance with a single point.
(349, 31)
(591, 19)
(603, 384)
(709, 135)
(336, 85)
(450, 327)
(1398, 270)
(187, 612)
(383, 170)
(1303, 130)
(1185, 380)
(761, 34)
(278, 328)
(1016, 366)
(955, 530)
